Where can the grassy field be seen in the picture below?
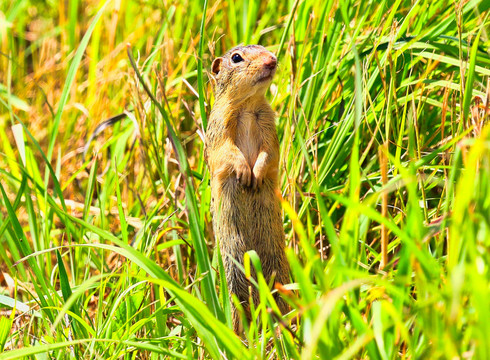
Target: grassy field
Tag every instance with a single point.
(106, 244)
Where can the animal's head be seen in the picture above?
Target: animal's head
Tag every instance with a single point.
(243, 71)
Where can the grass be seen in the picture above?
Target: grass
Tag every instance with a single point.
(106, 245)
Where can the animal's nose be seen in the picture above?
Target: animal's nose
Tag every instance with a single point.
(270, 61)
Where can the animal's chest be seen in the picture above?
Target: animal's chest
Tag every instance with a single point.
(248, 137)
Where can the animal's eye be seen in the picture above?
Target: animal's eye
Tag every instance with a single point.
(236, 58)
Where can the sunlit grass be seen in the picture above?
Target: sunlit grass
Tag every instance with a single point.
(106, 245)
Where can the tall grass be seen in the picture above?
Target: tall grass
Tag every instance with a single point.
(106, 246)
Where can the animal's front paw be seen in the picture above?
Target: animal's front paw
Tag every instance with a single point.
(243, 173)
(258, 176)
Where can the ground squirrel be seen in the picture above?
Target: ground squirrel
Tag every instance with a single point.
(242, 153)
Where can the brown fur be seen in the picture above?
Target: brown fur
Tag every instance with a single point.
(242, 152)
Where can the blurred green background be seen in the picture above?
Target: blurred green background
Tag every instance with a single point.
(106, 243)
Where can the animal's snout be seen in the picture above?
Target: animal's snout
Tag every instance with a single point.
(269, 61)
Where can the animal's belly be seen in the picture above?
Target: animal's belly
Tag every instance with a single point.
(250, 149)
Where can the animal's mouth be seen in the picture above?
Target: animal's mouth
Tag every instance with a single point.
(266, 75)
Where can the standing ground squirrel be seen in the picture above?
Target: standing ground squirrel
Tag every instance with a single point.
(242, 152)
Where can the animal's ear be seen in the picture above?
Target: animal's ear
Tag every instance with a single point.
(216, 67)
